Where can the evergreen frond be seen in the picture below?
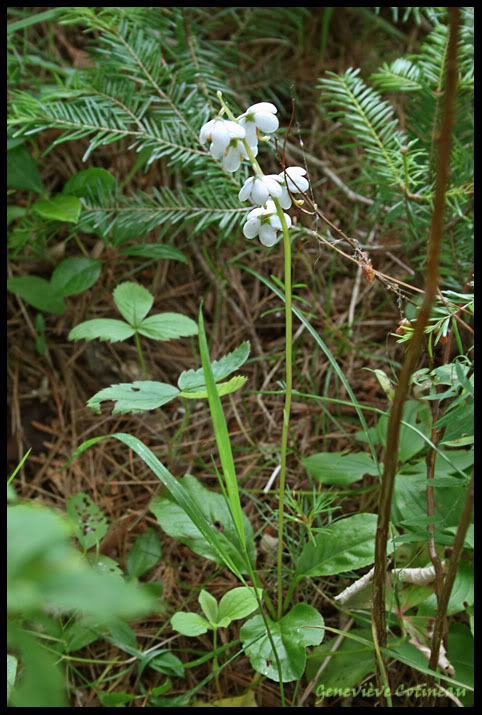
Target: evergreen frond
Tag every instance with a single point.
(368, 118)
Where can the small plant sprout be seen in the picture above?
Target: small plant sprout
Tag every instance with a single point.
(235, 604)
(134, 302)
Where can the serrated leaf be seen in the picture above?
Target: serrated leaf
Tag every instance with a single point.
(134, 397)
(346, 545)
(59, 208)
(224, 388)
(102, 329)
(194, 379)
(89, 521)
(166, 326)
(133, 301)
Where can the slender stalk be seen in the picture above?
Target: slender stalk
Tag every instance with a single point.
(287, 405)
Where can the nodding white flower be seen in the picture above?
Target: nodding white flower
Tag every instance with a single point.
(259, 116)
(260, 189)
(265, 223)
(220, 132)
(235, 153)
(294, 181)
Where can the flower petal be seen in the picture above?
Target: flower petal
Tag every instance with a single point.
(267, 235)
(266, 122)
(251, 227)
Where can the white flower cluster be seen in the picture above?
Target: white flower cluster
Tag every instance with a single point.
(230, 142)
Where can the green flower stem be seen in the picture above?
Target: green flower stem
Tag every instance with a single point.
(289, 381)
(287, 405)
(141, 356)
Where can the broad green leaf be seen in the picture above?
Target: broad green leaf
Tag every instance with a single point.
(75, 275)
(209, 606)
(22, 171)
(90, 523)
(137, 396)
(103, 329)
(38, 292)
(175, 522)
(158, 251)
(462, 594)
(59, 208)
(291, 636)
(133, 301)
(223, 388)
(237, 603)
(345, 545)
(144, 554)
(166, 326)
(409, 505)
(190, 506)
(48, 569)
(190, 624)
(338, 468)
(88, 181)
(350, 662)
(163, 661)
(410, 443)
(190, 380)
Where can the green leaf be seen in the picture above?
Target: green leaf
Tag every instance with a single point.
(221, 430)
(47, 569)
(223, 388)
(87, 181)
(237, 603)
(90, 523)
(144, 554)
(159, 251)
(38, 292)
(166, 326)
(59, 208)
(135, 396)
(190, 380)
(349, 664)
(190, 506)
(291, 636)
(175, 522)
(190, 624)
(103, 329)
(22, 172)
(75, 275)
(409, 506)
(410, 443)
(337, 468)
(133, 301)
(209, 606)
(346, 545)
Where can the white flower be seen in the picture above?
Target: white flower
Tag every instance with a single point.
(235, 153)
(259, 116)
(260, 189)
(295, 176)
(220, 132)
(265, 223)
